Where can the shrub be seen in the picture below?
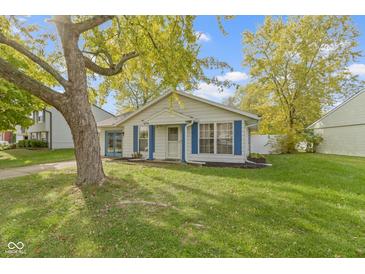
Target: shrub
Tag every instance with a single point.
(4, 146)
(32, 144)
(285, 143)
(136, 155)
(256, 156)
(311, 140)
(21, 143)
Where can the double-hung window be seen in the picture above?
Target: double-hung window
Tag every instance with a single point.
(40, 116)
(206, 133)
(216, 138)
(44, 136)
(143, 139)
(224, 138)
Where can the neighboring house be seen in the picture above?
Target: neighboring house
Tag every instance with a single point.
(50, 126)
(343, 128)
(179, 126)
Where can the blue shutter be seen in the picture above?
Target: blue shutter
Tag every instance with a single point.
(135, 138)
(154, 137)
(151, 141)
(194, 138)
(238, 137)
(183, 143)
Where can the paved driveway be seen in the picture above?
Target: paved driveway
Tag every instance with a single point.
(27, 170)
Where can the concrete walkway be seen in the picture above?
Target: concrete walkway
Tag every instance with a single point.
(27, 170)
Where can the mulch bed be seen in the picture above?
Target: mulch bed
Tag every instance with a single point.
(257, 160)
(235, 165)
(207, 164)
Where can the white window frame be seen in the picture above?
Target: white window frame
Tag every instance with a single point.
(40, 118)
(45, 139)
(148, 135)
(215, 137)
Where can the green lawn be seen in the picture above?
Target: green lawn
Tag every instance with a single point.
(304, 206)
(25, 157)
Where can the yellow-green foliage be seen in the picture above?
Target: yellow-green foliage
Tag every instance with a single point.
(297, 66)
(168, 58)
(16, 104)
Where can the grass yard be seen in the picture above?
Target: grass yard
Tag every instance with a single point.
(304, 206)
(24, 157)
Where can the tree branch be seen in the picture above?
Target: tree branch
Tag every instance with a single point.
(112, 70)
(92, 22)
(13, 75)
(48, 68)
(107, 57)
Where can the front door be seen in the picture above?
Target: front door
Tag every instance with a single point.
(173, 142)
(113, 144)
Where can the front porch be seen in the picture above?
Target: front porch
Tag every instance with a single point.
(167, 136)
(166, 142)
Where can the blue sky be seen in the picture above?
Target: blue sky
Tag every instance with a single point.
(229, 49)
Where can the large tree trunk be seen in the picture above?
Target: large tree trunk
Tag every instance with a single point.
(83, 127)
(73, 103)
(77, 111)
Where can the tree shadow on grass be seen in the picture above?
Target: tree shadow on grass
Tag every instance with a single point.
(56, 219)
(318, 171)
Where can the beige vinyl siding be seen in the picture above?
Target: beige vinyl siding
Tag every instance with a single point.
(61, 133)
(343, 129)
(168, 116)
(351, 113)
(189, 107)
(348, 140)
(62, 137)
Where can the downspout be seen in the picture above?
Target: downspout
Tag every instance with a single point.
(186, 147)
(50, 128)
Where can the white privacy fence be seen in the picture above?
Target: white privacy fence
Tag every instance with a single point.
(263, 144)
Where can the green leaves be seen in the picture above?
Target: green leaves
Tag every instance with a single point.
(168, 57)
(298, 66)
(16, 106)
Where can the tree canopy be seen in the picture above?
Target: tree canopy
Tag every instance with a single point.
(168, 57)
(88, 56)
(16, 106)
(298, 67)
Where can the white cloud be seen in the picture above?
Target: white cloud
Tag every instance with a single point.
(357, 69)
(203, 37)
(211, 92)
(234, 76)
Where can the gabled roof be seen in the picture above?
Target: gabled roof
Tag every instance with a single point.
(103, 110)
(110, 122)
(93, 105)
(173, 115)
(121, 119)
(337, 107)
